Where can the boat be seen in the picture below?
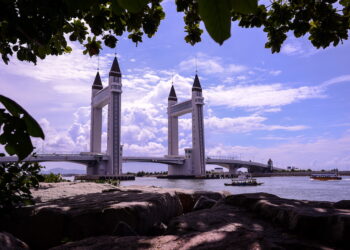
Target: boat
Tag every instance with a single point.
(326, 176)
(244, 180)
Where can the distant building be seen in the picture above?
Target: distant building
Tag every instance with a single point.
(218, 170)
(292, 168)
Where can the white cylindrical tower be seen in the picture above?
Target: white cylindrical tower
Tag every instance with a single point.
(114, 121)
(198, 147)
(96, 118)
(173, 130)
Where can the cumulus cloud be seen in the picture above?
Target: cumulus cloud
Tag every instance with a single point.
(245, 124)
(292, 48)
(267, 95)
(314, 154)
(210, 65)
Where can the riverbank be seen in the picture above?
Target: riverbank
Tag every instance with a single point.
(101, 216)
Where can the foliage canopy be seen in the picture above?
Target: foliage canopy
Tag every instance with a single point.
(33, 29)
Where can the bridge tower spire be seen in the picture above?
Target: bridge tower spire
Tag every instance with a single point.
(198, 147)
(96, 118)
(173, 125)
(114, 148)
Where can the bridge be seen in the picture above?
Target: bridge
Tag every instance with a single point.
(88, 159)
(194, 161)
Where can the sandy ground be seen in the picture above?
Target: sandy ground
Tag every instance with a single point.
(52, 191)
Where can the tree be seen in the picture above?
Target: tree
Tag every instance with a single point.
(33, 29)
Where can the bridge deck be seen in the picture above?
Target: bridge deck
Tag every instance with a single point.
(86, 158)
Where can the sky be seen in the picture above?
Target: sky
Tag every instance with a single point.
(290, 106)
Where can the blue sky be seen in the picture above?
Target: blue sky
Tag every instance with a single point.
(292, 107)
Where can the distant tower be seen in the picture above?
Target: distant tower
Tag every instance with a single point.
(198, 148)
(114, 149)
(270, 165)
(96, 118)
(173, 126)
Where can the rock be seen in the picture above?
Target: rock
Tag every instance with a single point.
(311, 219)
(187, 201)
(222, 227)
(123, 229)
(203, 202)
(211, 195)
(8, 241)
(158, 228)
(344, 204)
(76, 217)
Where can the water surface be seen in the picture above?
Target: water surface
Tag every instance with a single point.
(302, 188)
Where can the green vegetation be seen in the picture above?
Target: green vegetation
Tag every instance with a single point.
(17, 126)
(107, 181)
(16, 179)
(53, 178)
(33, 29)
(143, 173)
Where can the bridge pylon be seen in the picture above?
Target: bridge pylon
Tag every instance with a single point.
(111, 96)
(194, 157)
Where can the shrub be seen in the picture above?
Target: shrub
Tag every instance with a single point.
(16, 180)
(108, 181)
(53, 178)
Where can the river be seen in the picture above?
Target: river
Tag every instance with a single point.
(302, 188)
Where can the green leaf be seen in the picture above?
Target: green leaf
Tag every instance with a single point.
(116, 9)
(217, 18)
(133, 6)
(33, 128)
(244, 6)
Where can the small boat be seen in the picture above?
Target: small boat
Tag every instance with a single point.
(326, 176)
(244, 180)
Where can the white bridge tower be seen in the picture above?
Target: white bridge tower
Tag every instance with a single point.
(111, 96)
(195, 156)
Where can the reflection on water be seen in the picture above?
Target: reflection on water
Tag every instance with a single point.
(302, 188)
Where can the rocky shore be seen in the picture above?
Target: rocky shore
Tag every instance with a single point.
(101, 216)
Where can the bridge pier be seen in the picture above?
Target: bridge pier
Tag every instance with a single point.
(97, 167)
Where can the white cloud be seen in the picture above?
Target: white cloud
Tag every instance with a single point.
(322, 153)
(272, 95)
(275, 72)
(292, 48)
(244, 125)
(335, 80)
(210, 65)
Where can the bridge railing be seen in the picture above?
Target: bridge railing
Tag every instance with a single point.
(222, 158)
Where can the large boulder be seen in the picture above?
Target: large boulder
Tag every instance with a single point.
(221, 227)
(76, 217)
(311, 219)
(204, 202)
(8, 241)
(344, 204)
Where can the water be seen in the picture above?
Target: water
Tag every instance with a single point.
(302, 188)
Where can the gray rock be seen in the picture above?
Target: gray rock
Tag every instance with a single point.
(158, 228)
(76, 217)
(344, 204)
(8, 241)
(311, 219)
(123, 229)
(204, 202)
